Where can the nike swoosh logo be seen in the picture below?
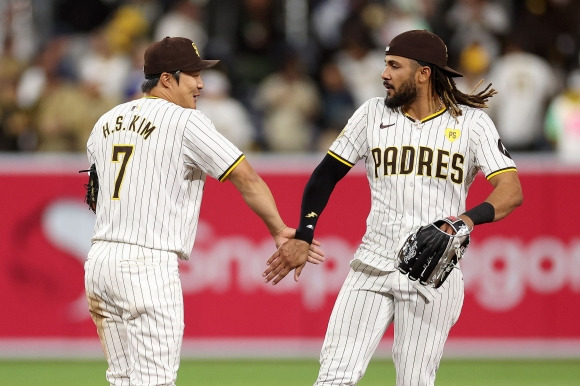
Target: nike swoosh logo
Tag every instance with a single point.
(385, 126)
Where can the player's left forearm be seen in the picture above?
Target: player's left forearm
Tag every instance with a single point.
(505, 197)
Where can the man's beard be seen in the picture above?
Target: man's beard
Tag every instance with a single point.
(407, 93)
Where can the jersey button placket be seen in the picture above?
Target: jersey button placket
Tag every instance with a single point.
(417, 134)
(416, 139)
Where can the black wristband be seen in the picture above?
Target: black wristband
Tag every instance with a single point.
(305, 234)
(481, 214)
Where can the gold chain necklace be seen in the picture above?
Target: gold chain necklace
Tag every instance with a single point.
(440, 105)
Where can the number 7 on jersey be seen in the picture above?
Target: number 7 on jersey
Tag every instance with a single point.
(127, 151)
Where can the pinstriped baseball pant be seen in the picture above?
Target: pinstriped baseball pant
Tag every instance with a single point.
(136, 302)
(369, 301)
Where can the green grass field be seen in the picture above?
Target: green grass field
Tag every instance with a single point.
(285, 372)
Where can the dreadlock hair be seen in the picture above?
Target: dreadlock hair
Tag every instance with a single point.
(445, 87)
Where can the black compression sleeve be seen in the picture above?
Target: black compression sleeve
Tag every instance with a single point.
(482, 213)
(317, 192)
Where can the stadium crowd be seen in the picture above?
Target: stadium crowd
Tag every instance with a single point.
(291, 72)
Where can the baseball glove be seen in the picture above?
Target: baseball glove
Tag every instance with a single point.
(430, 254)
(92, 188)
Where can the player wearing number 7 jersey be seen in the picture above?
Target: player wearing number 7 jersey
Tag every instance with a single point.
(152, 157)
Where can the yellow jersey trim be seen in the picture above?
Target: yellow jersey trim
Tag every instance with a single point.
(428, 117)
(340, 159)
(231, 168)
(510, 169)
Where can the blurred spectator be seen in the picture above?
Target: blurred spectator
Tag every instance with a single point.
(482, 21)
(550, 29)
(98, 51)
(563, 119)
(65, 109)
(228, 115)
(136, 77)
(183, 19)
(127, 25)
(290, 103)
(396, 17)
(221, 28)
(525, 84)
(52, 62)
(66, 114)
(17, 26)
(103, 67)
(327, 18)
(107, 60)
(15, 131)
(150, 10)
(360, 62)
(43, 21)
(337, 105)
(474, 63)
(259, 43)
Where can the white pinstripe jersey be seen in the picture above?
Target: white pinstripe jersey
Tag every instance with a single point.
(418, 171)
(152, 159)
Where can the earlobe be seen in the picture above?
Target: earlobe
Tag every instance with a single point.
(166, 79)
(424, 74)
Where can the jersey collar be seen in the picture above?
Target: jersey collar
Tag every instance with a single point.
(429, 117)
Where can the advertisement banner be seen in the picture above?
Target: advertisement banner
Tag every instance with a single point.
(522, 274)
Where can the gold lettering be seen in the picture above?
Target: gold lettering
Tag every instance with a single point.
(457, 165)
(106, 130)
(442, 164)
(407, 160)
(391, 160)
(147, 130)
(376, 152)
(133, 121)
(425, 161)
(422, 161)
(119, 123)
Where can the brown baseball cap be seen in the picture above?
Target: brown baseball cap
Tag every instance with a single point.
(173, 54)
(424, 46)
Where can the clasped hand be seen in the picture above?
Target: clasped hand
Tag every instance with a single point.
(292, 254)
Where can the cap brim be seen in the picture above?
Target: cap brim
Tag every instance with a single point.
(451, 72)
(201, 65)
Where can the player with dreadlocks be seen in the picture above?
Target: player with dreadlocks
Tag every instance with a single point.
(422, 145)
(445, 87)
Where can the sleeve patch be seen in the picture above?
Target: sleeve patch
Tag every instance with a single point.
(502, 149)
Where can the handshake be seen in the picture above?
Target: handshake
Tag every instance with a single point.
(291, 254)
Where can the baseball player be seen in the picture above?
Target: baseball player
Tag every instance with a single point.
(422, 146)
(152, 156)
